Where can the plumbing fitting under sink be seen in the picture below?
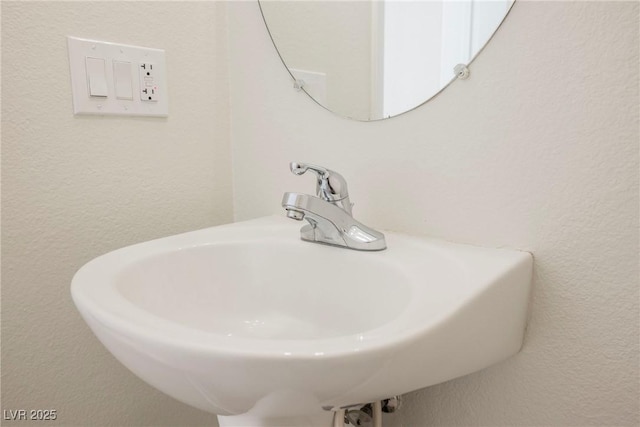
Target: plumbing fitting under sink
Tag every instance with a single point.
(329, 213)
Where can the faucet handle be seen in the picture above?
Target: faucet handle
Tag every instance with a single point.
(298, 168)
(330, 185)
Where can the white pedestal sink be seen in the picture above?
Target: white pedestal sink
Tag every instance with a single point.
(249, 322)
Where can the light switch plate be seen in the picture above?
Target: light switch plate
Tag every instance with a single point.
(113, 103)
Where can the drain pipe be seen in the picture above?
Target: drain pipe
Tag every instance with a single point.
(377, 414)
(338, 418)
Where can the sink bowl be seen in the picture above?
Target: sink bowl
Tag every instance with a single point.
(249, 322)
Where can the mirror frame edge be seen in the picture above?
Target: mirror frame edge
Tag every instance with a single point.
(453, 79)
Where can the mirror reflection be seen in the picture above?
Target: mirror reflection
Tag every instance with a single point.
(369, 60)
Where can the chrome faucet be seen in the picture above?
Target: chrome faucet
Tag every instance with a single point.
(329, 212)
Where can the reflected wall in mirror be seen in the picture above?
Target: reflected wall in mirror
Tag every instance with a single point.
(369, 60)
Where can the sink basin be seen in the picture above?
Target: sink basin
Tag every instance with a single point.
(249, 322)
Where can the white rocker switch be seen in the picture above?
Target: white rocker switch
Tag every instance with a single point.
(96, 77)
(122, 80)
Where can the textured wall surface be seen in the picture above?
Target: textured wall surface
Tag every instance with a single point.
(538, 150)
(76, 187)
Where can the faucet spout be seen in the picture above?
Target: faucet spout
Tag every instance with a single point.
(331, 224)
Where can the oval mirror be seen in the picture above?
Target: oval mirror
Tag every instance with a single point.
(374, 59)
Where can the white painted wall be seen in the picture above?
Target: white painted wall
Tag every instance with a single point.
(538, 150)
(76, 187)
